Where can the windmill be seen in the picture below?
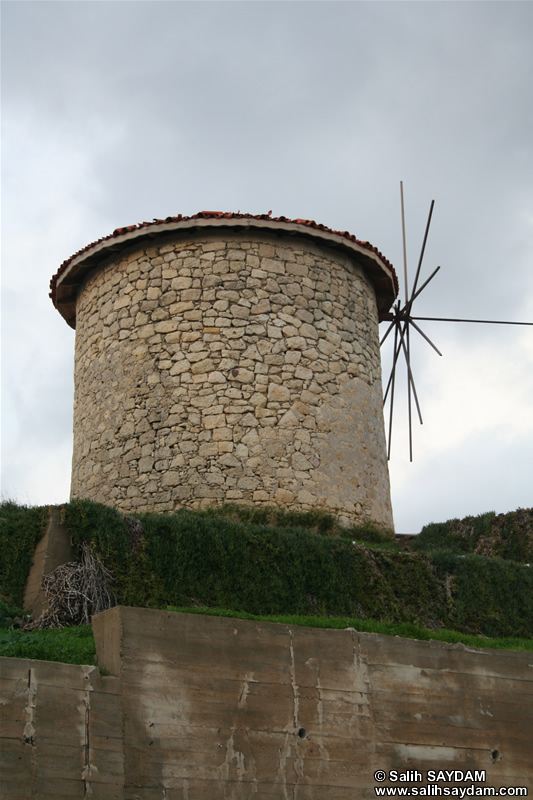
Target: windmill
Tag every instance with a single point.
(401, 321)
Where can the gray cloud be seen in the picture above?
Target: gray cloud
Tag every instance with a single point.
(116, 112)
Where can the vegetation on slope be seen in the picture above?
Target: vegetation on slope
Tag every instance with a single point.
(305, 566)
(77, 646)
(21, 528)
(67, 645)
(288, 567)
(507, 536)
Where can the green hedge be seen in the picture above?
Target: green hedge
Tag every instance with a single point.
(266, 570)
(303, 566)
(511, 536)
(21, 528)
(487, 595)
(135, 582)
(457, 535)
(507, 536)
(210, 560)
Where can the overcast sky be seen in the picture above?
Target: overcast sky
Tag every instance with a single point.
(119, 112)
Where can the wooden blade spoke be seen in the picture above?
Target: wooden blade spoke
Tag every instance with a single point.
(404, 246)
(417, 275)
(400, 319)
(407, 351)
(480, 321)
(412, 382)
(428, 340)
(407, 307)
(396, 354)
(391, 326)
(393, 377)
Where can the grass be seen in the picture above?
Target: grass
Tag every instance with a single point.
(317, 521)
(404, 630)
(67, 645)
(76, 645)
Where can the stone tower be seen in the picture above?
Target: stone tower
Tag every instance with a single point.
(229, 358)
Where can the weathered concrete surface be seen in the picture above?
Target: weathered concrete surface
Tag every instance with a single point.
(224, 708)
(60, 732)
(54, 549)
(207, 708)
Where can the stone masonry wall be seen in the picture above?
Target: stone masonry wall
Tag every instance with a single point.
(229, 366)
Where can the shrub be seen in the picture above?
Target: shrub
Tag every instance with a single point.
(459, 536)
(229, 558)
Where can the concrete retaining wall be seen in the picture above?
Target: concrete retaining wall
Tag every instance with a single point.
(204, 708)
(60, 732)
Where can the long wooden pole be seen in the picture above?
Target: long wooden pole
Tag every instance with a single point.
(392, 378)
(480, 321)
(404, 246)
(413, 295)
